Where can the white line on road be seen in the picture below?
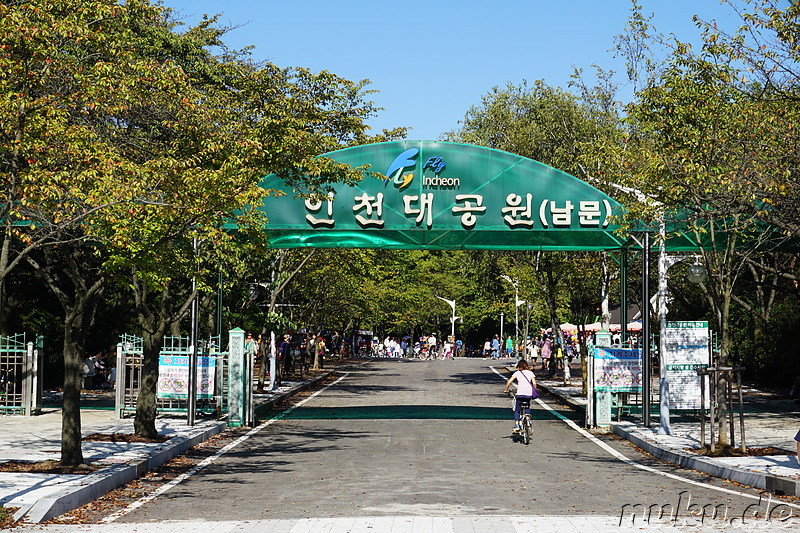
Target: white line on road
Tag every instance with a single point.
(208, 460)
(633, 463)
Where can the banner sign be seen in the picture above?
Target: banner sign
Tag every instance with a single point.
(446, 195)
(617, 369)
(173, 377)
(686, 351)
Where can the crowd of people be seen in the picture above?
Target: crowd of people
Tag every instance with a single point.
(425, 347)
(297, 350)
(535, 349)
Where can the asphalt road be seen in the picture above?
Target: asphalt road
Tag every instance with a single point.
(426, 438)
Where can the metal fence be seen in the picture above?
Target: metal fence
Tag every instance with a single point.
(20, 379)
(129, 373)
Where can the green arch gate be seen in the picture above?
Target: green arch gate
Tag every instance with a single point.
(444, 196)
(439, 195)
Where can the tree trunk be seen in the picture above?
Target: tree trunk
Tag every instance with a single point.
(75, 281)
(71, 451)
(547, 284)
(582, 350)
(723, 267)
(759, 343)
(144, 425)
(155, 316)
(722, 385)
(605, 292)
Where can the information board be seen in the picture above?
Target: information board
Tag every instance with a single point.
(686, 349)
(617, 369)
(173, 377)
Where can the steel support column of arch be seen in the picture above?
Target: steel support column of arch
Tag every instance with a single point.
(623, 295)
(646, 371)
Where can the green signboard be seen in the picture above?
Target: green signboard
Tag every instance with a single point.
(441, 195)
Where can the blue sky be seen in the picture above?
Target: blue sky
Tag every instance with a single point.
(432, 60)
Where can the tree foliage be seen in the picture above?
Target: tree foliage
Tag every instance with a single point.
(134, 140)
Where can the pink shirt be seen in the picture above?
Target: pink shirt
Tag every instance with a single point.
(524, 382)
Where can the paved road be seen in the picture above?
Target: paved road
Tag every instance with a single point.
(419, 438)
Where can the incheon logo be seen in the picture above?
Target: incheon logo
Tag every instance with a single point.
(399, 165)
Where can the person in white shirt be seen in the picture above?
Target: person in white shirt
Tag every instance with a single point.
(526, 389)
(432, 345)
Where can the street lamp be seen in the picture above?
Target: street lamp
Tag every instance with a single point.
(516, 307)
(696, 274)
(520, 302)
(452, 304)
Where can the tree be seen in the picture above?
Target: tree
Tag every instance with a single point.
(763, 56)
(68, 73)
(704, 151)
(239, 121)
(542, 122)
(550, 125)
(50, 56)
(135, 142)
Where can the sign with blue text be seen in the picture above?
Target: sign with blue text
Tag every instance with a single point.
(173, 377)
(617, 369)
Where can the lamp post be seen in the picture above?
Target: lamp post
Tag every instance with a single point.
(516, 306)
(525, 334)
(453, 318)
(696, 274)
(191, 404)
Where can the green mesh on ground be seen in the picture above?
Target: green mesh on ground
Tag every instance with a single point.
(408, 412)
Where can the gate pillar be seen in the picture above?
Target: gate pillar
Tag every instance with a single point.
(240, 382)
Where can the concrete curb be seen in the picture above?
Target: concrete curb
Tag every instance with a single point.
(759, 480)
(689, 460)
(569, 400)
(109, 478)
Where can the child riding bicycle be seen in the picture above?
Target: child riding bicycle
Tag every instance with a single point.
(526, 390)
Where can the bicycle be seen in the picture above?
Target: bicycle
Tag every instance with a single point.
(525, 423)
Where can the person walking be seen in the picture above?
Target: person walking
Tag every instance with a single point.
(556, 358)
(534, 352)
(546, 352)
(250, 346)
(496, 347)
(432, 346)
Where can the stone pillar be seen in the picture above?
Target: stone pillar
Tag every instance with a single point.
(29, 377)
(240, 381)
(119, 384)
